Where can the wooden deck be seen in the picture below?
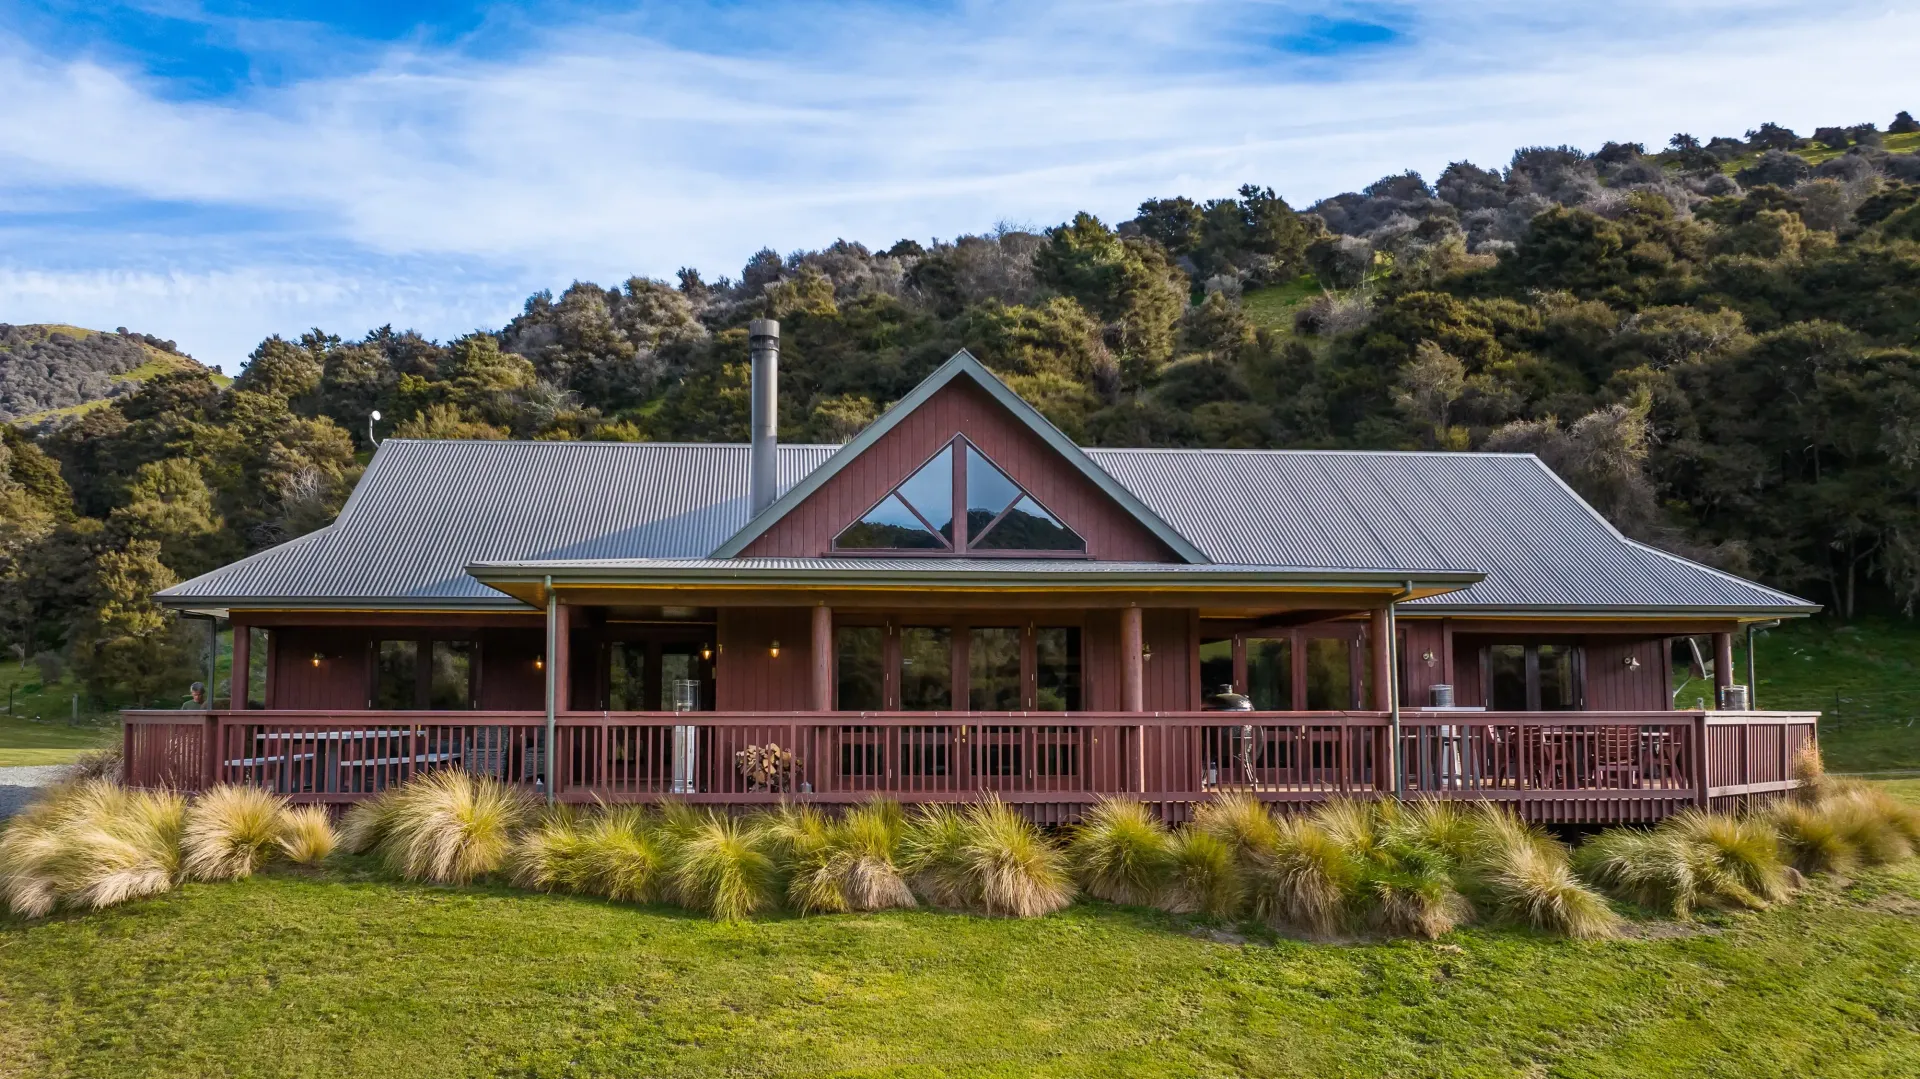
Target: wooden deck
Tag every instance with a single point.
(1553, 767)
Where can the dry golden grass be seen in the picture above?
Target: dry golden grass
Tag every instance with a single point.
(306, 835)
(91, 845)
(1011, 867)
(450, 826)
(1204, 876)
(1304, 880)
(932, 853)
(620, 855)
(719, 868)
(231, 831)
(1121, 852)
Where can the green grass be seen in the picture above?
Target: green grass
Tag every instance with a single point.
(52, 739)
(158, 362)
(345, 974)
(1893, 144)
(1272, 307)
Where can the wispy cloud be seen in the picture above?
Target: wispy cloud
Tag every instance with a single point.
(432, 179)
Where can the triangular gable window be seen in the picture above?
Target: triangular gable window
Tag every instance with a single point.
(960, 483)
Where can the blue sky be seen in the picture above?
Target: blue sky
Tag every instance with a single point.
(217, 171)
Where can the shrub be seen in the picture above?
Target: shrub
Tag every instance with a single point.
(231, 831)
(933, 852)
(1121, 852)
(96, 764)
(866, 844)
(1203, 875)
(91, 845)
(306, 835)
(720, 868)
(1882, 829)
(1304, 880)
(621, 855)
(1010, 868)
(548, 857)
(451, 826)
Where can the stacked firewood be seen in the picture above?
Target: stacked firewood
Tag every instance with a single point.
(766, 768)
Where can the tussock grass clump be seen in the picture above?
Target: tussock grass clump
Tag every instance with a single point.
(1646, 868)
(1239, 820)
(801, 842)
(620, 855)
(1455, 830)
(1304, 880)
(867, 846)
(450, 826)
(306, 834)
(1739, 855)
(548, 856)
(1011, 868)
(1407, 889)
(1527, 877)
(933, 853)
(1122, 853)
(96, 764)
(1204, 875)
(720, 868)
(231, 831)
(91, 845)
(367, 823)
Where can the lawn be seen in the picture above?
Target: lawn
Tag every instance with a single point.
(40, 727)
(1273, 307)
(347, 974)
(1864, 679)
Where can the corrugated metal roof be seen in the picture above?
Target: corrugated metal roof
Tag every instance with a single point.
(1539, 544)
(427, 510)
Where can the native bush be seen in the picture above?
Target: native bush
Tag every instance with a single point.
(231, 831)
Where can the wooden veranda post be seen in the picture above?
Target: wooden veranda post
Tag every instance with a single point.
(1133, 686)
(553, 670)
(822, 658)
(1722, 667)
(242, 663)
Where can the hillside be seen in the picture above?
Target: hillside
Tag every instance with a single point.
(52, 371)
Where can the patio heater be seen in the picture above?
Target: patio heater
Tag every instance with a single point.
(686, 737)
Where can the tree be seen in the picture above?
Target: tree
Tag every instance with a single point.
(172, 506)
(1428, 387)
(127, 647)
(445, 421)
(1903, 124)
(1172, 223)
(1125, 282)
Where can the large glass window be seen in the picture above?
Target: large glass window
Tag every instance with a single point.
(1329, 674)
(1270, 673)
(451, 687)
(858, 660)
(1056, 656)
(681, 687)
(627, 676)
(1533, 677)
(926, 668)
(919, 515)
(257, 656)
(1216, 665)
(396, 676)
(993, 669)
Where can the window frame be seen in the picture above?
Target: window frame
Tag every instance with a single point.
(961, 544)
(960, 627)
(423, 643)
(1531, 664)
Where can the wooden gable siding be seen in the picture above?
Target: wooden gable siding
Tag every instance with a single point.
(807, 531)
(747, 677)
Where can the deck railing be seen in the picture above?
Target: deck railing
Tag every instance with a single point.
(1552, 766)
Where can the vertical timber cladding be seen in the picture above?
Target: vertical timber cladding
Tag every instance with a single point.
(1111, 533)
(320, 668)
(747, 676)
(1627, 675)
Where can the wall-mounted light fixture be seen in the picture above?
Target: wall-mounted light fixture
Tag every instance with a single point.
(1430, 658)
(706, 651)
(774, 649)
(539, 663)
(1146, 651)
(1632, 663)
(317, 657)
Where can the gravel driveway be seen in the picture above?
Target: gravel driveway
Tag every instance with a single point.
(20, 785)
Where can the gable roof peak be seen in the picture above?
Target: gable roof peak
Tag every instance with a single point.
(963, 364)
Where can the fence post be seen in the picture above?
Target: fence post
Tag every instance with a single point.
(1701, 770)
(211, 732)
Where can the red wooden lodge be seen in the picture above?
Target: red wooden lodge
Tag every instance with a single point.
(961, 600)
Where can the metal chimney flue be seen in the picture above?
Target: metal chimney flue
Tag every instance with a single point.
(763, 475)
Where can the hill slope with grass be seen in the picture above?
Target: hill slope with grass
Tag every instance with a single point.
(50, 371)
